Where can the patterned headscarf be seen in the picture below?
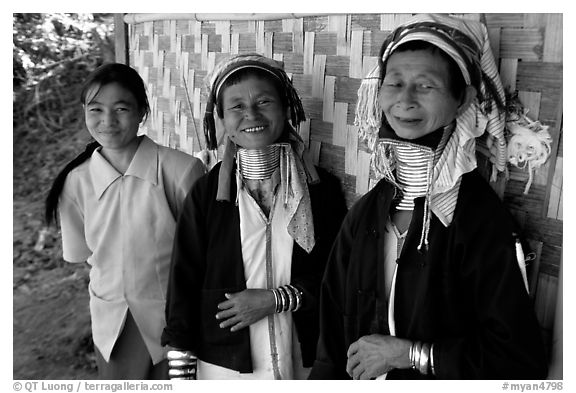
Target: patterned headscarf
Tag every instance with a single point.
(296, 166)
(465, 41)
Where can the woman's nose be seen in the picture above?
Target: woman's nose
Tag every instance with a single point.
(110, 118)
(251, 112)
(407, 96)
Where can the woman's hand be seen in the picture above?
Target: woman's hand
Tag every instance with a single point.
(374, 355)
(242, 309)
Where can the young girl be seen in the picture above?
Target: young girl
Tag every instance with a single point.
(253, 238)
(118, 202)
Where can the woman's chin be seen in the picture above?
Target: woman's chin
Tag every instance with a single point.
(410, 131)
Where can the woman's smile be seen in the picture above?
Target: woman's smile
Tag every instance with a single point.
(254, 129)
(113, 117)
(407, 120)
(254, 115)
(415, 95)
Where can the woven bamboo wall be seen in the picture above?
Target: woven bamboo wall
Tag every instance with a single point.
(326, 56)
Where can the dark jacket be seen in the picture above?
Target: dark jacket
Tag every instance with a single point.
(207, 262)
(465, 294)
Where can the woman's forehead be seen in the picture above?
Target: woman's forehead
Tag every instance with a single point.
(420, 60)
(110, 92)
(250, 84)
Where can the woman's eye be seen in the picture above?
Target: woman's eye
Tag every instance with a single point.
(392, 84)
(264, 103)
(428, 86)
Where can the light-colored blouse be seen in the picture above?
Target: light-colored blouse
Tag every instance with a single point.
(123, 226)
(276, 333)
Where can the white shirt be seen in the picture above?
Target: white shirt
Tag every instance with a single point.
(123, 226)
(393, 241)
(253, 224)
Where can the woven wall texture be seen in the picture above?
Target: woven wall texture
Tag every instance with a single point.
(326, 56)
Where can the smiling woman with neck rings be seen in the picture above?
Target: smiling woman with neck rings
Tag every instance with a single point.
(443, 299)
(263, 221)
(259, 110)
(422, 93)
(253, 110)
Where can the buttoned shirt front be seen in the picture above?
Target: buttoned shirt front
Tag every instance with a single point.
(256, 231)
(123, 226)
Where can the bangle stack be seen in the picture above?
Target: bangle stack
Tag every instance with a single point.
(181, 364)
(287, 298)
(422, 357)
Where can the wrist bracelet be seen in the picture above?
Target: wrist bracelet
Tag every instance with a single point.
(287, 298)
(421, 357)
(298, 297)
(181, 364)
(432, 370)
(182, 373)
(417, 352)
(280, 300)
(291, 298)
(284, 298)
(276, 300)
(424, 357)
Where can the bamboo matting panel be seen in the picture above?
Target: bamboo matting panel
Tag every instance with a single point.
(326, 57)
(529, 51)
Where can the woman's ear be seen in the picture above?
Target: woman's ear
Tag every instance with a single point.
(469, 96)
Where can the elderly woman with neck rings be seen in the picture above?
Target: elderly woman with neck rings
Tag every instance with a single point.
(254, 236)
(423, 281)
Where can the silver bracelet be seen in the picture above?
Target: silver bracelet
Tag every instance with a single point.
(417, 352)
(432, 360)
(276, 301)
(291, 297)
(298, 295)
(181, 364)
(285, 298)
(424, 357)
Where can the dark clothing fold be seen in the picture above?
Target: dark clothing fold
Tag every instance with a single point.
(207, 262)
(465, 294)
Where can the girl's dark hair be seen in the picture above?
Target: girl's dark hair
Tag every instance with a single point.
(130, 80)
(244, 74)
(457, 82)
